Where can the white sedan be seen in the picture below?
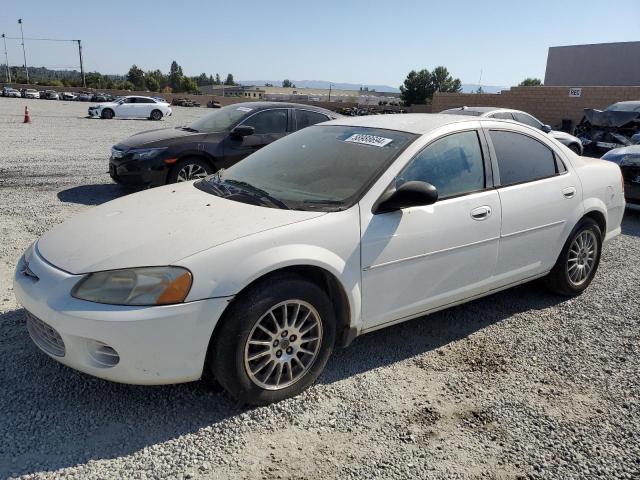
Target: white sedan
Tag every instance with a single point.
(132, 107)
(253, 275)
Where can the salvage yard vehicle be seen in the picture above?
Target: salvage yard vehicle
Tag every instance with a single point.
(11, 92)
(628, 159)
(31, 93)
(217, 140)
(131, 107)
(617, 126)
(253, 275)
(68, 96)
(570, 141)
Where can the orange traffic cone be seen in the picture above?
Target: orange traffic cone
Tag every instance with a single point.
(27, 118)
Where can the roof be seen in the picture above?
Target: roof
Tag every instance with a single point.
(263, 105)
(418, 123)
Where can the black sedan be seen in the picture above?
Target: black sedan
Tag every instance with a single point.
(217, 140)
(628, 158)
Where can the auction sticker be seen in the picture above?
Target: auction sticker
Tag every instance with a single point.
(372, 140)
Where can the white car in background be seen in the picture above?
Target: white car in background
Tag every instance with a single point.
(12, 92)
(131, 107)
(31, 93)
(572, 142)
(254, 274)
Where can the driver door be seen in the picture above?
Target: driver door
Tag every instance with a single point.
(270, 125)
(421, 258)
(127, 108)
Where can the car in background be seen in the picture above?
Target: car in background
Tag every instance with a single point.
(628, 159)
(11, 92)
(616, 126)
(565, 138)
(50, 95)
(252, 277)
(160, 99)
(68, 96)
(102, 97)
(213, 104)
(85, 97)
(131, 107)
(218, 140)
(184, 102)
(31, 93)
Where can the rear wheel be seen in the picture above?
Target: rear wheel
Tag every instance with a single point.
(156, 115)
(107, 114)
(274, 341)
(190, 169)
(578, 262)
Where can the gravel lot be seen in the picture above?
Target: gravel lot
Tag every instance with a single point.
(521, 384)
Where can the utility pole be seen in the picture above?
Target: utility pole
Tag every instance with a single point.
(329, 92)
(84, 80)
(6, 59)
(24, 54)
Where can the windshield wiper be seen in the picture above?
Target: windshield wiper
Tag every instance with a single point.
(186, 128)
(257, 192)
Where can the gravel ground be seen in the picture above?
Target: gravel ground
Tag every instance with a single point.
(521, 384)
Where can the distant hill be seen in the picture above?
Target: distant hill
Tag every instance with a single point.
(466, 87)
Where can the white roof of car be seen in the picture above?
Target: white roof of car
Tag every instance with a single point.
(419, 123)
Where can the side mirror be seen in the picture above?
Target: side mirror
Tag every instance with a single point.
(243, 131)
(409, 194)
(545, 128)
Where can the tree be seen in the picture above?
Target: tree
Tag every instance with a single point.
(218, 81)
(229, 80)
(188, 85)
(136, 76)
(152, 84)
(202, 80)
(175, 76)
(479, 90)
(419, 87)
(530, 82)
(286, 83)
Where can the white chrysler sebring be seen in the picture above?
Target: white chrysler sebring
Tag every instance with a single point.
(252, 276)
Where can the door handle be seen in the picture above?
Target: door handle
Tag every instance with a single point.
(569, 192)
(481, 213)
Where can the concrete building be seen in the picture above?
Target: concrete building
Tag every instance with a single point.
(601, 64)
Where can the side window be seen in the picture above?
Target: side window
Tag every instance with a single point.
(306, 118)
(527, 120)
(270, 121)
(521, 158)
(503, 115)
(144, 100)
(130, 100)
(452, 164)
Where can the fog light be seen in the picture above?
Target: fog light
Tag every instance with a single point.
(102, 355)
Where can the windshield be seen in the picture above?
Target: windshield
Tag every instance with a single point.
(324, 167)
(624, 107)
(220, 120)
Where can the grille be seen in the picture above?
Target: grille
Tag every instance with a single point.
(45, 336)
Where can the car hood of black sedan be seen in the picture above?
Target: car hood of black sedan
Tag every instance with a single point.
(164, 137)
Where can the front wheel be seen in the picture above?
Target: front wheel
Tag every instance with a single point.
(189, 169)
(274, 341)
(578, 262)
(107, 114)
(156, 115)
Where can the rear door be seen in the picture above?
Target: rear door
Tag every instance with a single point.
(144, 107)
(270, 125)
(540, 196)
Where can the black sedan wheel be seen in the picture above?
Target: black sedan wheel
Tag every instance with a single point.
(189, 169)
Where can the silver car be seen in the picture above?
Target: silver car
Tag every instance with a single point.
(570, 141)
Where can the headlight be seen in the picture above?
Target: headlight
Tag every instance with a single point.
(146, 153)
(135, 286)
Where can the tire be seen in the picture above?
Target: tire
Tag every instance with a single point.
(575, 149)
(156, 115)
(281, 376)
(569, 275)
(107, 114)
(189, 169)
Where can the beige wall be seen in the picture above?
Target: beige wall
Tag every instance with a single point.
(550, 104)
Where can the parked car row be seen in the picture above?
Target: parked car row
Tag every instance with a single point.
(314, 229)
(8, 91)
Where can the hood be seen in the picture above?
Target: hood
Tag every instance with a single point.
(156, 227)
(624, 156)
(165, 137)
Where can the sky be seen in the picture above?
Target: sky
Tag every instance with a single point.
(357, 41)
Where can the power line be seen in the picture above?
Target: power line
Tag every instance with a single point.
(43, 39)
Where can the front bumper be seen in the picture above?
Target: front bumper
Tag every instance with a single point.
(151, 172)
(94, 112)
(153, 345)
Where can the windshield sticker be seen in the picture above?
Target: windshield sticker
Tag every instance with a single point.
(372, 140)
(244, 109)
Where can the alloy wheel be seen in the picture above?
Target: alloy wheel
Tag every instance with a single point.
(191, 171)
(283, 345)
(581, 257)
